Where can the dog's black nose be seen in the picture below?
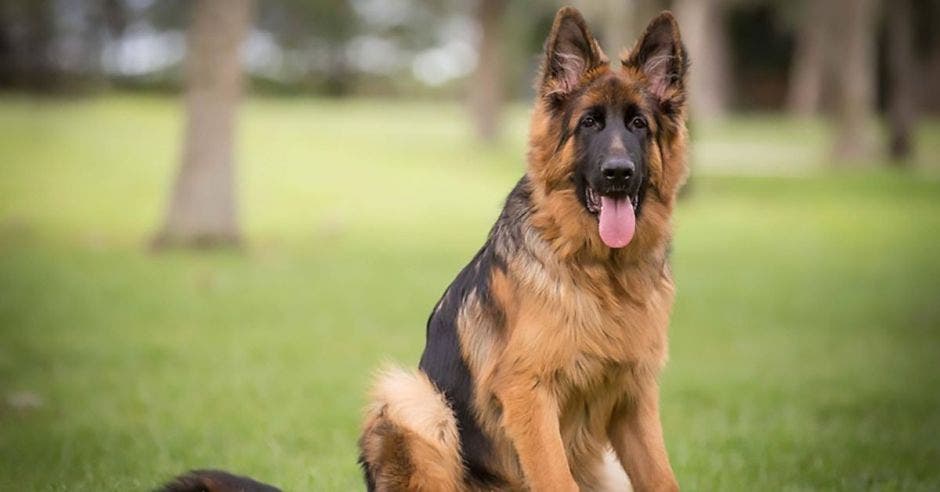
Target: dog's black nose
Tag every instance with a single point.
(618, 172)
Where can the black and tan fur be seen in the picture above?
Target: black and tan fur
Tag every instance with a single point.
(214, 481)
(542, 356)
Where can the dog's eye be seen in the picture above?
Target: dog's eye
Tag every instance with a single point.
(638, 122)
(589, 122)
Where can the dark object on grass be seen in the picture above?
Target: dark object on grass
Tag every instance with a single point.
(214, 481)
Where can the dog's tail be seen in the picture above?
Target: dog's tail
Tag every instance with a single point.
(409, 440)
(214, 481)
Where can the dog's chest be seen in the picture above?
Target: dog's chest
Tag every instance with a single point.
(608, 323)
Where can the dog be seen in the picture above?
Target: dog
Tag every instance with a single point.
(214, 481)
(542, 357)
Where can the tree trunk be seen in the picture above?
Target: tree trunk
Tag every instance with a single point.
(486, 91)
(809, 68)
(855, 99)
(202, 209)
(703, 31)
(901, 68)
(928, 97)
(41, 72)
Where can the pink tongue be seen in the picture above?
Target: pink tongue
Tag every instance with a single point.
(617, 221)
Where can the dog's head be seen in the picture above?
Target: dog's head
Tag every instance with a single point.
(608, 142)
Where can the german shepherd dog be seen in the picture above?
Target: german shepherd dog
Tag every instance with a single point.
(543, 354)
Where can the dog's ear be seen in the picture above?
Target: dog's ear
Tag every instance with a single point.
(661, 57)
(570, 52)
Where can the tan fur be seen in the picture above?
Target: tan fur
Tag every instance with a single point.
(566, 376)
(410, 432)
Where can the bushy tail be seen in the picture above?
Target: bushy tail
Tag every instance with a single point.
(214, 481)
(409, 440)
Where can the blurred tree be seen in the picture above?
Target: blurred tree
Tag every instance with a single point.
(810, 59)
(928, 51)
(56, 46)
(856, 77)
(202, 208)
(101, 20)
(114, 15)
(486, 90)
(314, 36)
(165, 14)
(760, 43)
(704, 33)
(901, 73)
(27, 31)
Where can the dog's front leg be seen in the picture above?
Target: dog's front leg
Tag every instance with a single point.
(637, 436)
(530, 420)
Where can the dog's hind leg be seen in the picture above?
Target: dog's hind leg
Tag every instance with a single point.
(410, 440)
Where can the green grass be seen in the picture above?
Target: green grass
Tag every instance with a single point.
(805, 338)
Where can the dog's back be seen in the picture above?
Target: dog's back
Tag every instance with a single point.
(214, 481)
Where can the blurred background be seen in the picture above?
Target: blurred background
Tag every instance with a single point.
(217, 217)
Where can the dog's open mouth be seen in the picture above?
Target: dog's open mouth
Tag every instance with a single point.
(616, 217)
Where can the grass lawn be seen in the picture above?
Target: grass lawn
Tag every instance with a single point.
(805, 340)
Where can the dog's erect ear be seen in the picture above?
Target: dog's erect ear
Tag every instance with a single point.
(570, 52)
(660, 55)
